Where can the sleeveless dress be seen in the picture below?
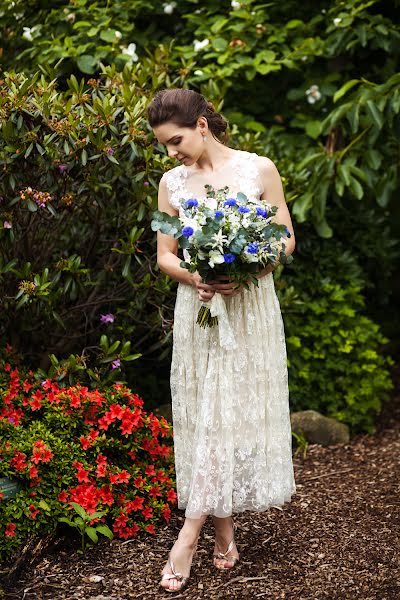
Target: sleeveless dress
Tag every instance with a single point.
(230, 408)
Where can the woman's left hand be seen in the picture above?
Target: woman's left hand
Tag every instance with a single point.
(226, 287)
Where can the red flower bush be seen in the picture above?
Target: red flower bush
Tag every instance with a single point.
(101, 450)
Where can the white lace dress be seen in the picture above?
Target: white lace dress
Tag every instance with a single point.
(230, 408)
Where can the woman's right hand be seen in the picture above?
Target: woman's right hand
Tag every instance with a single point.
(206, 292)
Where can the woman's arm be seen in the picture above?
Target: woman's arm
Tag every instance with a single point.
(273, 195)
(167, 251)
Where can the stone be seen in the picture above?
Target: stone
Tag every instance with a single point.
(318, 429)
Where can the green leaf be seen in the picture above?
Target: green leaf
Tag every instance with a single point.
(86, 63)
(91, 533)
(301, 206)
(81, 511)
(323, 229)
(375, 114)
(108, 36)
(313, 129)
(43, 504)
(67, 521)
(345, 88)
(104, 530)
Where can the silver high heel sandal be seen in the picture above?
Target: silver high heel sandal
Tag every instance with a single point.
(225, 555)
(174, 575)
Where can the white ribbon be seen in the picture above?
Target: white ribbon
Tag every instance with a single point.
(226, 335)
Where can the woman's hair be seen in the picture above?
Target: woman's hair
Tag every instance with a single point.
(184, 107)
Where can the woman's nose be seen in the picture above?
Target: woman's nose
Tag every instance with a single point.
(172, 152)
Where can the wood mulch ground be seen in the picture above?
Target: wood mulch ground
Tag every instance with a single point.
(339, 538)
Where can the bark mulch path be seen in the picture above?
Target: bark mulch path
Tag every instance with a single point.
(339, 538)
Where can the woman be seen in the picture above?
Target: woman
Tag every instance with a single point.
(232, 435)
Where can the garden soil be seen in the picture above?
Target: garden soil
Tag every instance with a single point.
(339, 538)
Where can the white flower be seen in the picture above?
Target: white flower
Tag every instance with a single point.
(235, 5)
(337, 21)
(215, 258)
(313, 94)
(198, 72)
(199, 45)
(212, 203)
(118, 36)
(218, 240)
(27, 35)
(70, 17)
(131, 51)
(169, 8)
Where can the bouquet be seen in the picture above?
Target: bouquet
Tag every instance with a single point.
(225, 236)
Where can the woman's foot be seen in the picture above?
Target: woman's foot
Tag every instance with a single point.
(225, 551)
(181, 556)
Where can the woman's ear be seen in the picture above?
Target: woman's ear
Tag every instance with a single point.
(202, 124)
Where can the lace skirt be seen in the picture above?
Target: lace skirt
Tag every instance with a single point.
(230, 408)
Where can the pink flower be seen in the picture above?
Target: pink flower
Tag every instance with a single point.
(7, 225)
(62, 168)
(107, 318)
(116, 364)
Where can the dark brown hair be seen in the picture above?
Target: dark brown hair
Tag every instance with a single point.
(183, 107)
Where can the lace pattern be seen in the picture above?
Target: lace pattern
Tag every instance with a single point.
(232, 433)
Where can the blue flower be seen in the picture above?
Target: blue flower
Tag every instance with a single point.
(219, 214)
(288, 234)
(252, 248)
(191, 202)
(244, 209)
(261, 212)
(229, 258)
(230, 202)
(187, 231)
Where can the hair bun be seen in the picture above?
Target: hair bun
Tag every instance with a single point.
(210, 107)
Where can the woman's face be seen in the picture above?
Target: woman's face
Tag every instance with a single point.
(183, 143)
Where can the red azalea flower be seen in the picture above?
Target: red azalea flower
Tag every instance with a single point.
(139, 482)
(166, 512)
(10, 530)
(124, 476)
(116, 411)
(150, 528)
(7, 367)
(18, 461)
(147, 513)
(34, 511)
(85, 443)
(35, 404)
(135, 504)
(39, 444)
(62, 496)
(155, 491)
(1, 495)
(82, 475)
(101, 470)
(47, 455)
(106, 496)
(27, 386)
(101, 459)
(171, 495)
(33, 472)
(150, 470)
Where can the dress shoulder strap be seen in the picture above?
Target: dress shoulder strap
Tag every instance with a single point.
(175, 180)
(247, 175)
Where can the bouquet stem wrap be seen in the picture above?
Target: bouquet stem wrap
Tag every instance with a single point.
(218, 309)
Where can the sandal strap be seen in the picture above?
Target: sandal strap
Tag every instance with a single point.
(224, 554)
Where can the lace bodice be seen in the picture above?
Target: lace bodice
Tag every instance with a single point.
(240, 174)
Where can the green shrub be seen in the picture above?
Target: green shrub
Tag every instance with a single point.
(100, 450)
(335, 359)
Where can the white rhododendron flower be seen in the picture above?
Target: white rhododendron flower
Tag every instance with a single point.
(169, 8)
(131, 51)
(235, 5)
(313, 94)
(118, 35)
(337, 21)
(198, 72)
(27, 35)
(199, 45)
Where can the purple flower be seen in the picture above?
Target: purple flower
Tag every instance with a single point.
(116, 363)
(229, 258)
(261, 212)
(107, 318)
(7, 225)
(252, 248)
(191, 203)
(244, 209)
(62, 168)
(110, 151)
(230, 202)
(146, 183)
(187, 231)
